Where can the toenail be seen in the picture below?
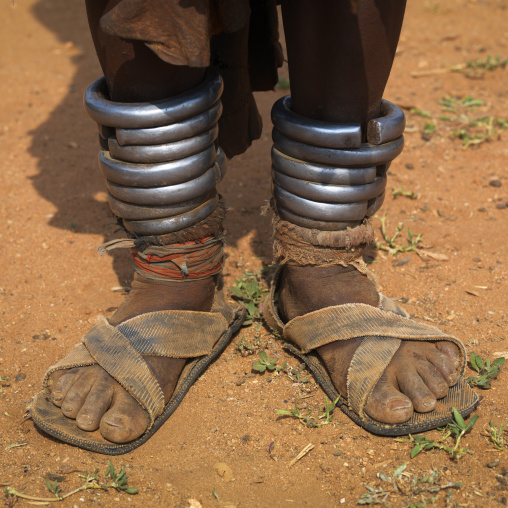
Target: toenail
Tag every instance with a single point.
(398, 405)
(429, 402)
(453, 378)
(67, 408)
(85, 420)
(115, 422)
(57, 397)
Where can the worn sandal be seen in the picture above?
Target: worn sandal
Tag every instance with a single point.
(119, 350)
(382, 329)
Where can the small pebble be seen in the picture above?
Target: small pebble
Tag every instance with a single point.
(476, 260)
(482, 209)
(501, 206)
(410, 166)
(337, 453)
(495, 183)
(494, 463)
(20, 377)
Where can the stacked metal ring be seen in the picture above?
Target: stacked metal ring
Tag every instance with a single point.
(160, 158)
(324, 177)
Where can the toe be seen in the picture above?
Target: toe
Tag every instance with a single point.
(125, 421)
(77, 394)
(95, 406)
(447, 367)
(433, 379)
(412, 385)
(62, 383)
(386, 404)
(451, 351)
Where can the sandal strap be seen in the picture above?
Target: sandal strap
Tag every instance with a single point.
(114, 353)
(119, 350)
(366, 368)
(353, 320)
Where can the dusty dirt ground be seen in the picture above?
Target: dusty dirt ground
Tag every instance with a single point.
(52, 284)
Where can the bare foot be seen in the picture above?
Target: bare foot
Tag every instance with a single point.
(94, 399)
(418, 374)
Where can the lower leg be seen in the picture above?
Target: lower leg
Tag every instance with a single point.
(133, 73)
(339, 63)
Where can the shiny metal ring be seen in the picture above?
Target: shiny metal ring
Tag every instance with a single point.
(367, 155)
(170, 224)
(339, 212)
(184, 129)
(163, 153)
(138, 115)
(326, 193)
(389, 126)
(375, 204)
(314, 132)
(159, 174)
(139, 212)
(221, 165)
(321, 174)
(305, 222)
(167, 195)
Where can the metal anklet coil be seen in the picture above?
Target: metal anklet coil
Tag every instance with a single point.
(160, 158)
(324, 177)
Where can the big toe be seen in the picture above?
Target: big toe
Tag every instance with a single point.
(386, 404)
(125, 421)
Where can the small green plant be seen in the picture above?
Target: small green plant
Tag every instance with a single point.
(401, 192)
(420, 112)
(429, 129)
(496, 436)
(487, 370)
(307, 419)
(478, 131)
(246, 347)
(283, 83)
(400, 483)
(490, 63)
(457, 105)
(294, 374)
(249, 293)
(117, 480)
(390, 244)
(264, 362)
(457, 430)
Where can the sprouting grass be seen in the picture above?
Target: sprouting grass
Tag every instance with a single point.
(112, 480)
(265, 362)
(401, 192)
(487, 370)
(416, 490)
(478, 131)
(497, 436)
(455, 105)
(456, 430)
(306, 419)
(249, 292)
(491, 63)
(420, 112)
(390, 244)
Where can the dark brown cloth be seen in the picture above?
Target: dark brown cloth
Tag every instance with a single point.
(238, 37)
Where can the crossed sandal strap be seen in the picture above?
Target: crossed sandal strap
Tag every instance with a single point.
(118, 350)
(382, 330)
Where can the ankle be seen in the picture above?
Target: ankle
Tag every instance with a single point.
(304, 289)
(149, 295)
